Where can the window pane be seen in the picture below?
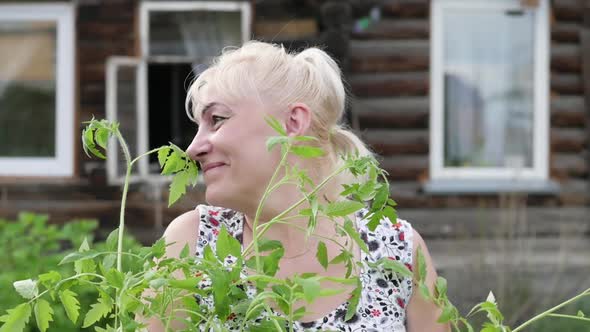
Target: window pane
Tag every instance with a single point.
(127, 114)
(27, 89)
(489, 86)
(194, 33)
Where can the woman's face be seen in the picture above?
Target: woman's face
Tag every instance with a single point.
(230, 146)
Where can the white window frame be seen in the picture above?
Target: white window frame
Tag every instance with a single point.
(539, 171)
(143, 173)
(62, 165)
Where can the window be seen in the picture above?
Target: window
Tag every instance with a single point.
(177, 39)
(36, 90)
(489, 93)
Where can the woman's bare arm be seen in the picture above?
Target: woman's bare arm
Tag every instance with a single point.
(182, 231)
(422, 314)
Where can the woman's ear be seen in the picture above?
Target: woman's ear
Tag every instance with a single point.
(298, 119)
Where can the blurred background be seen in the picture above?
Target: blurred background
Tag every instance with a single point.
(479, 111)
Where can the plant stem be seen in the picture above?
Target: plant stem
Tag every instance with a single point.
(144, 154)
(123, 199)
(586, 319)
(267, 191)
(276, 219)
(543, 314)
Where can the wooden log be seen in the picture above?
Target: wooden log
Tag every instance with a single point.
(566, 58)
(567, 112)
(96, 52)
(405, 8)
(568, 10)
(568, 140)
(390, 113)
(405, 167)
(395, 29)
(585, 45)
(566, 84)
(99, 30)
(397, 142)
(566, 32)
(568, 165)
(389, 56)
(383, 85)
(92, 73)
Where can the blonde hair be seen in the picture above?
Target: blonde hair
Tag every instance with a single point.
(271, 74)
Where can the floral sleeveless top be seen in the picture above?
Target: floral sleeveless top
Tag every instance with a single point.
(384, 296)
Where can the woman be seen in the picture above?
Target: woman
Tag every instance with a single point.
(305, 93)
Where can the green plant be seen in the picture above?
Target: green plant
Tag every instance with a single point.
(120, 277)
(31, 246)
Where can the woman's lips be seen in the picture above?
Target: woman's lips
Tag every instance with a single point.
(210, 166)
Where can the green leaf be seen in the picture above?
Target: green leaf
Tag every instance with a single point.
(447, 314)
(311, 288)
(421, 262)
(227, 245)
(580, 314)
(265, 244)
(17, 318)
(163, 155)
(322, 255)
(441, 286)
(275, 124)
(193, 173)
(395, 267)
(43, 314)
(424, 290)
(305, 138)
(79, 256)
(374, 220)
(174, 163)
(354, 301)
(115, 278)
(391, 214)
(178, 187)
(102, 137)
(49, 278)
(342, 257)
(89, 143)
(342, 208)
(220, 284)
(112, 240)
(98, 311)
(109, 261)
(271, 262)
(381, 196)
(184, 252)
(70, 303)
(274, 140)
(299, 313)
(305, 151)
(353, 234)
(26, 288)
(188, 284)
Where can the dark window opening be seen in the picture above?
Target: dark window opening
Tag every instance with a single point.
(168, 122)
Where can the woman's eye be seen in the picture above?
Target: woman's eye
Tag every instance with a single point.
(216, 119)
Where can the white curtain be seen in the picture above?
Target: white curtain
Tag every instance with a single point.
(488, 65)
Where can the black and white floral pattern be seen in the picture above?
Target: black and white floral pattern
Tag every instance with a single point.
(382, 306)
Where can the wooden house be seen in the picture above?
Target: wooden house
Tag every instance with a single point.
(477, 108)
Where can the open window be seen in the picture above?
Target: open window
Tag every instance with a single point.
(177, 38)
(37, 58)
(489, 96)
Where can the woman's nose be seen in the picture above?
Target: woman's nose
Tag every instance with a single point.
(199, 147)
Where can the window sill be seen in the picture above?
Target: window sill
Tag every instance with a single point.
(477, 186)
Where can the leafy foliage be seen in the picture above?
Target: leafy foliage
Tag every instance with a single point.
(152, 285)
